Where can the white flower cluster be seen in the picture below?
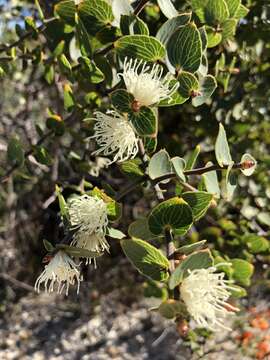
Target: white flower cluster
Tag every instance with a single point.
(146, 84)
(205, 294)
(61, 271)
(115, 136)
(88, 217)
(113, 131)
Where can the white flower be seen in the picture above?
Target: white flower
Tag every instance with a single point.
(115, 135)
(205, 294)
(95, 242)
(120, 7)
(147, 85)
(61, 271)
(97, 165)
(88, 214)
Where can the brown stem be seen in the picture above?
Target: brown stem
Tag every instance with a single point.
(140, 7)
(26, 35)
(198, 171)
(170, 248)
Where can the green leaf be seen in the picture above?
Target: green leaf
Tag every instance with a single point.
(193, 158)
(179, 167)
(150, 144)
(132, 168)
(172, 308)
(139, 229)
(142, 47)
(95, 15)
(188, 84)
(69, 100)
(160, 165)
(42, 156)
(188, 249)
(228, 29)
(115, 233)
(169, 27)
(199, 202)
(233, 6)
(241, 12)
(203, 34)
(66, 11)
(15, 152)
(122, 100)
(230, 183)
(146, 259)
(216, 12)
(199, 260)
(64, 65)
(237, 291)
(167, 7)
(55, 122)
(48, 246)
(90, 71)
(242, 271)
(174, 213)
(114, 209)
(247, 169)
(132, 25)
(39, 9)
(185, 48)
(84, 39)
(78, 252)
(49, 74)
(62, 205)
(213, 36)
(175, 99)
(255, 243)
(153, 289)
(144, 122)
(207, 85)
(222, 149)
(211, 182)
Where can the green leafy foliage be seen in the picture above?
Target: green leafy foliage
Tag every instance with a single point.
(185, 48)
(174, 213)
(160, 165)
(199, 202)
(71, 60)
(142, 47)
(146, 258)
(171, 308)
(222, 149)
(242, 271)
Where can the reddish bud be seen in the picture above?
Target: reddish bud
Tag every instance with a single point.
(47, 258)
(136, 106)
(182, 327)
(247, 164)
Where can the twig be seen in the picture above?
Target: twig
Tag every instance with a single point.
(28, 34)
(198, 171)
(9, 172)
(140, 7)
(16, 282)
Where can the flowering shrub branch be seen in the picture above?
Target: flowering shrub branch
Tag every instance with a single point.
(106, 49)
